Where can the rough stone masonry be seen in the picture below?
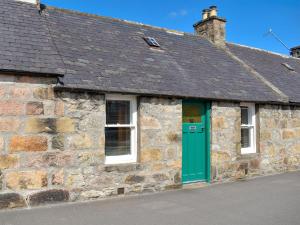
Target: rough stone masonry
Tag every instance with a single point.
(52, 144)
(277, 137)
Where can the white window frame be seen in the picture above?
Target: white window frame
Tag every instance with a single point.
(252, 126)
(132, 158)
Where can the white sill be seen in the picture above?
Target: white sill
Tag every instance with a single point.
(245, 151)
(117, 160)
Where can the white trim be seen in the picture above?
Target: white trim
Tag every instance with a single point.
(252, 127)
(132, 158)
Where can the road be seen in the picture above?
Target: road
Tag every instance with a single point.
(273, 200)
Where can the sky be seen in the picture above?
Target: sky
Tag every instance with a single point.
(248, 21)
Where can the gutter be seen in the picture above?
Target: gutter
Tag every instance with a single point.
(95, 91)
(28, 73)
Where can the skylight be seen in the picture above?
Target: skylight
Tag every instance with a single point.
(151, 42)
(288, 66)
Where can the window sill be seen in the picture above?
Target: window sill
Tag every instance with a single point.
(126, 167)
(248, 155)
(120, 160)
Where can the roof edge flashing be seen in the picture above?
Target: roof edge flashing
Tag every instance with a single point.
(169, 31)
(35, 2)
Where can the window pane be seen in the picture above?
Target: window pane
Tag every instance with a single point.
(117, 141)
(245, 135)
(244, 115)
(117, 112)
(191, 114)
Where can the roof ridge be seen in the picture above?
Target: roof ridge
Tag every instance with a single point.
(170, 31)
(167, 30)
(263, 50)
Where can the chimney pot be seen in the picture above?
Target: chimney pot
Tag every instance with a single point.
(205, 14)
(213, 11)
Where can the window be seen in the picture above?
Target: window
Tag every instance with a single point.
(120, 129)
(191, 114)
(248, 132)
(151, 41)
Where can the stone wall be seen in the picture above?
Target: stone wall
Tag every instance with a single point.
(30, 119)
(278, 142)
(160, 141)
(279, 138)
(225, 140)
(159, 162)
(52, 146)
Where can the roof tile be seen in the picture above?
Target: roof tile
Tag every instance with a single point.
(110, 55)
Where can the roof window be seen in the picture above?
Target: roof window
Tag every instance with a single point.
(151, 42)
(290, 68)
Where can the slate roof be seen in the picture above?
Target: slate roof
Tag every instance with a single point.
(271, 66)
(25, 42)
(110, 55)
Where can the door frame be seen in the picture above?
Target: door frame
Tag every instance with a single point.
(207, 137)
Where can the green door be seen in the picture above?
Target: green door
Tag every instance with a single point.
(195, 153)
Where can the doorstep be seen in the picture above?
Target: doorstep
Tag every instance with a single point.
(196, 185)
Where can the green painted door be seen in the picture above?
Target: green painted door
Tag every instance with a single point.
(195, 153)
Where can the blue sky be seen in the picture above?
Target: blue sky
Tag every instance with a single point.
(248, 20)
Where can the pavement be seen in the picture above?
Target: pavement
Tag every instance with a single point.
(272, 200)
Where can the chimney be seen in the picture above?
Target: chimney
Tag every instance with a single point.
(211, 26)
(295, 52)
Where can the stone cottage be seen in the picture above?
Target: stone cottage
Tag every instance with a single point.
(92, 106)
